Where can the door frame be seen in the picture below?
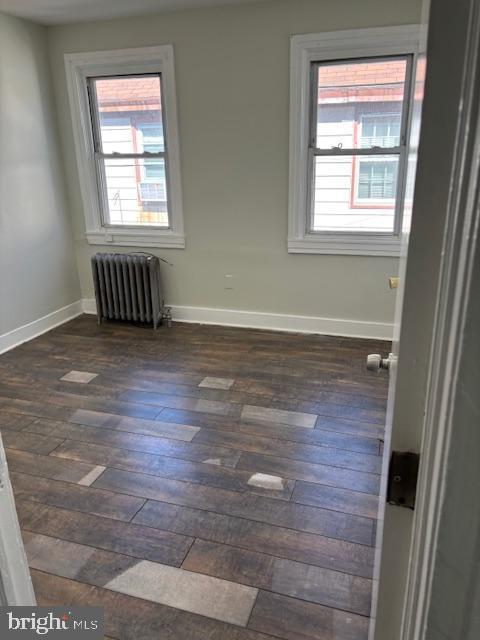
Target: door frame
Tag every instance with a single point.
(454, 291)
(15, 582)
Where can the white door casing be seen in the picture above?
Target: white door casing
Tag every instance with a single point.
(415, 601)
(382, 559)
(15, 583)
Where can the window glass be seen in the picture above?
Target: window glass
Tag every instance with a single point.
(354, 194)
(123, 104)
(359, 113)
(348, 92)
(130, 149)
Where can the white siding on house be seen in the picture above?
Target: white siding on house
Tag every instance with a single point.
(332, 132)
(117, 136)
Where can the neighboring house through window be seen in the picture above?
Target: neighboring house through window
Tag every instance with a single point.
(376, 180)
(153, 185)
(351, 96)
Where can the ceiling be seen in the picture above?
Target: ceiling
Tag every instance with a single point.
(51, 12)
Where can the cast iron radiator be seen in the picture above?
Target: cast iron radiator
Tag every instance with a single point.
(127, 287)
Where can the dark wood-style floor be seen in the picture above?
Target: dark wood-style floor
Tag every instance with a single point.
(208, 482)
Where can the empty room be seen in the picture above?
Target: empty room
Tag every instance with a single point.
(238, 319)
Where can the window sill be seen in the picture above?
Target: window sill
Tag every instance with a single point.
(346, 244)
(136, 238)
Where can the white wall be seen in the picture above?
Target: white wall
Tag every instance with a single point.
(38, 273)
(232, 71)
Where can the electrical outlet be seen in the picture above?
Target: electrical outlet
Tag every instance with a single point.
(228, 281)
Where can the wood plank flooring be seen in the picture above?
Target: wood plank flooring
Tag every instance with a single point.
(200, 483)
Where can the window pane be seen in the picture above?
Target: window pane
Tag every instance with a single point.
(354, 193)
(126, 106)
(136, 192)
(359, 104)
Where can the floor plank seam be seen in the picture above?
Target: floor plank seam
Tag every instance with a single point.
(29, 429)
(149, 601)
(54, 448)
(347, 611)
(368, 546)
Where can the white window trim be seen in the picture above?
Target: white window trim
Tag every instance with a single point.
(80, 66)
(325, 47)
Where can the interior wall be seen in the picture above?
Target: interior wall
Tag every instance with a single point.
(232, 73)
(38, 273)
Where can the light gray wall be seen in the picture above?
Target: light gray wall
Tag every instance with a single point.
(232, 71)
(38, 273)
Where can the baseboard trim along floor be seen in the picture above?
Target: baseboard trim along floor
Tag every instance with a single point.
(35, 328)
(209, 315)
(274, 321)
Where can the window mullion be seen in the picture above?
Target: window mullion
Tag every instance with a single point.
(102, 186)
(358, 151)
(312, 143)
(400, 195)
(409, 95)
(133, 156)
(93, 107)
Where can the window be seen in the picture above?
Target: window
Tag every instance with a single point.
(124, 116)
(380, 129)
(350, 99)
(152, 141)
(130, 150)
(377, 180)
(358, 112)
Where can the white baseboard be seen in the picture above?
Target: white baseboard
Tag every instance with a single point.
(274, 321)
(89, 306)
(33, 329)
(206, 315)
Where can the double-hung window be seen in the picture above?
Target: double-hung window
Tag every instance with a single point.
(351, 96)
(125, 124)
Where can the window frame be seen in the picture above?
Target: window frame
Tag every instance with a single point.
(124, 62)
(340, 47)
